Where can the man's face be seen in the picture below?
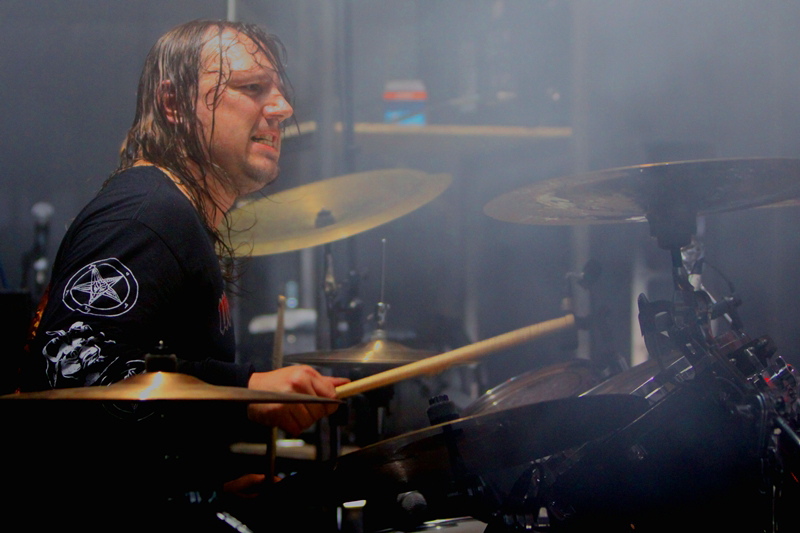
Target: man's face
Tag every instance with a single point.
(245, 141)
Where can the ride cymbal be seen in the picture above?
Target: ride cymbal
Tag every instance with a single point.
(375, 353)
(333, 209)
(630, 194)
(157, 386)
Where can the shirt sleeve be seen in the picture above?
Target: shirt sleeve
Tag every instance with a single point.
(120, 291)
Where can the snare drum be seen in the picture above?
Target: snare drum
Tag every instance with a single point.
(552, 382)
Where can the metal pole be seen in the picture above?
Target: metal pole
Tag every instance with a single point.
(580, 113)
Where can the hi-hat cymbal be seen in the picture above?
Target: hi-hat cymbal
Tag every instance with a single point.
(433, 457)
(155, 386)
(333, 209)
(628, 194)
(377, 354)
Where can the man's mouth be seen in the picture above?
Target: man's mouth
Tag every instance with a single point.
(268, 140)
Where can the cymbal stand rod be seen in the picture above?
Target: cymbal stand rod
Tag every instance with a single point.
(331, 290)
(280, 332)
(328, 432)
(382, 308)
(693, 258)
(329, 286)
(383, 267)
(277, 362)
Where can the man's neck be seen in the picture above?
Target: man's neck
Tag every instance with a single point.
(222, 199)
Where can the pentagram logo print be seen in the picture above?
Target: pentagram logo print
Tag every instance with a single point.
(102, 288)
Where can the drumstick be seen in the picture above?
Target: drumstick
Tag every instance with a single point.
(438, 363)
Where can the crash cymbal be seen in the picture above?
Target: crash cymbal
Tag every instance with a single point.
(377, 354)
(333, 209)
(629, 194)
(479, 444)
(154, 386)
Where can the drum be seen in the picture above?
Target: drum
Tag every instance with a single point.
(653, 379)
(552, 382)
(689, 463)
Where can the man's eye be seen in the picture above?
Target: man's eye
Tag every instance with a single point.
(252, 87)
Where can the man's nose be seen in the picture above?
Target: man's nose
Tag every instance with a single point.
(278, 107)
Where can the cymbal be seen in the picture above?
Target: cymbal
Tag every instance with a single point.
(560, 380)
(156, 386)
(482, 443)
(333, 209)
(628, 194)
(377, 353)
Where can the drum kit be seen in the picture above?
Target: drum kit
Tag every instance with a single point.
(702, 435)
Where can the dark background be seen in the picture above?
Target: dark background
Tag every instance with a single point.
(634, 82)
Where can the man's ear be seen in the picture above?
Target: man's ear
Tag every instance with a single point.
(168, 101)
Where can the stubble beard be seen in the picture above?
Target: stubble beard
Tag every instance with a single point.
(257, 179)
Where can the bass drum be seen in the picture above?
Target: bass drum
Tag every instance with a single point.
(552, 382)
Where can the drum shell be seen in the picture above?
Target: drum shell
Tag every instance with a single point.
(691, 463)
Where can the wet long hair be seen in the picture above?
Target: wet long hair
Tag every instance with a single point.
(179, 146)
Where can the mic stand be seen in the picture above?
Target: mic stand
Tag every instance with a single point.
(35, 260)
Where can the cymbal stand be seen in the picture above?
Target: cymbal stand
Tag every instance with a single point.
(341, 299)
(378, 399)
(687, 319)
(338, 303)
(381, 308)
(673, 223)
(468, 487)
(329, 432)
(277, 362)
(768, 388)
(684, 324)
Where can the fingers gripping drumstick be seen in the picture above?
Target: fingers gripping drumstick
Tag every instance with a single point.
(438, 363)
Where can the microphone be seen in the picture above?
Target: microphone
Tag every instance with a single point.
(37, 257)
(411, 510)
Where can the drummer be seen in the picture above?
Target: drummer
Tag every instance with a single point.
(145, 263)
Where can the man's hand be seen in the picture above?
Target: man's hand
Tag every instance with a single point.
(293, 417)
(245, 487)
